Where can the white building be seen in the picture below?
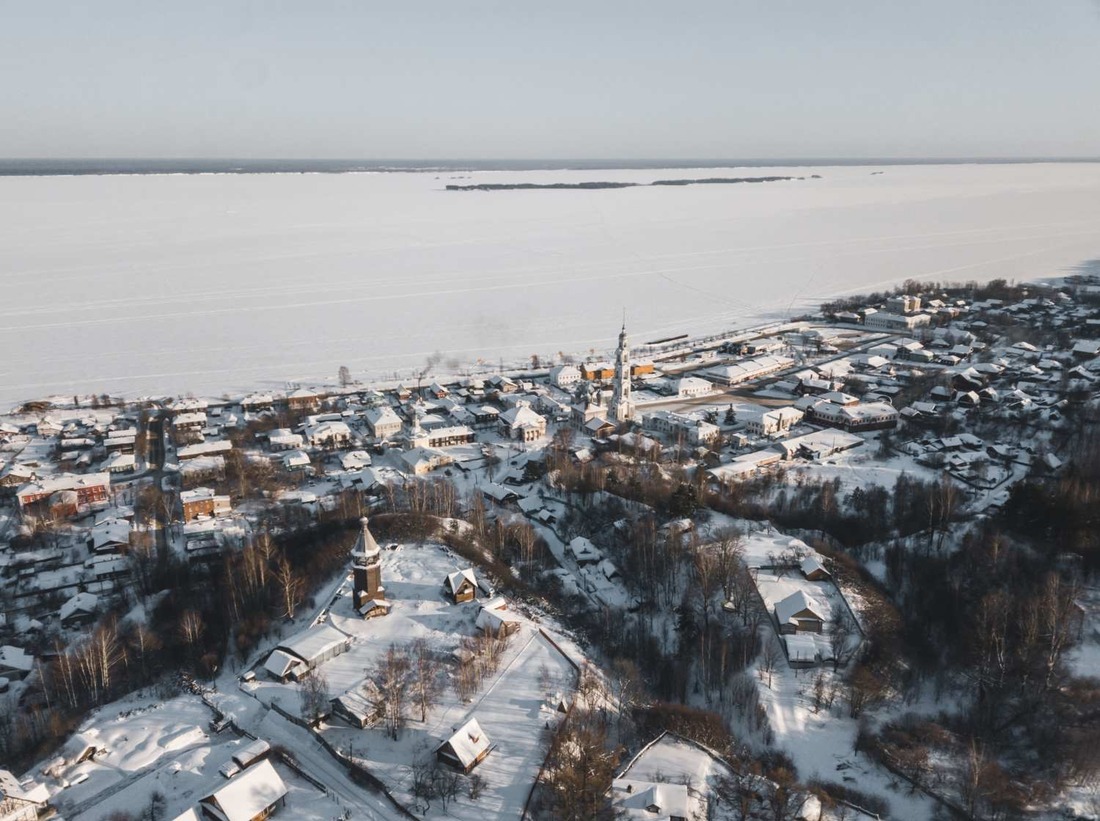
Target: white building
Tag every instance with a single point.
(383, 422)
(441, 437)
(329, 435)
(565, 376)
(692, 386)
(903, 304)
(284, 439)
(419, 461)
(748, 369)
(522, 423)
(869, 416)
(886, 321)
(674, 425)
(775, 422)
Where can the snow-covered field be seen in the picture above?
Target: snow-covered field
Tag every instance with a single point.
(206, 283)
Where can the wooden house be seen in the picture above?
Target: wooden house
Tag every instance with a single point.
(813, 569)
(467, 748)
(798, 613)
(253, 795)
(461, 585)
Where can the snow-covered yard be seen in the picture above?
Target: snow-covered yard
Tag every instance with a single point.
(821, 743)
(823, 596)
(145, 747)
(673, 760)
(512, 707)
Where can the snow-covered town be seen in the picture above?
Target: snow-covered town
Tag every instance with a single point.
(742, 576)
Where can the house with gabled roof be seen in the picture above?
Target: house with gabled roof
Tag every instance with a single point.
(253, 795)
(650, 800)
(328, 434)
(813, 569)
(80, 609)
(461, 585)
(21, 801)
(583, 551)
(303, 400)
(799, 613)
(15, 662)
(598, 428)
(360, 706)
(301, 653)
(497, 621)
(467, 748)
(110, 535)
(522, 423)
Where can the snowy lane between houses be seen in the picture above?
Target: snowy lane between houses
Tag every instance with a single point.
(139, 284)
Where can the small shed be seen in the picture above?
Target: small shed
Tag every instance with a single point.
(813, 569)
(377, 606)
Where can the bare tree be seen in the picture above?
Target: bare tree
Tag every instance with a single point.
(191, 629)
(729, 552)
(392, 679)
(477, 784)
(142, 558)
(579, 769)
(843, 638)
(771, 657)
(91, 668)
(313, 696)
(424, 683)
(445, 784)
(142, 643)
(290, 588)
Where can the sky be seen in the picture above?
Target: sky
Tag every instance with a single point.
(621, 79)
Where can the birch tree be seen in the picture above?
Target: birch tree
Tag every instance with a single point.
(424, 683)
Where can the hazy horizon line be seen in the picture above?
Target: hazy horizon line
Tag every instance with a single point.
(46, 166)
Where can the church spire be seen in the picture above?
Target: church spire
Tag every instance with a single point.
(622, 406)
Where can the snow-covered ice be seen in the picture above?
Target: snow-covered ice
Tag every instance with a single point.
(207, 283)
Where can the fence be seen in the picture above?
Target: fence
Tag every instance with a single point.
(358, 773)
(568, 712)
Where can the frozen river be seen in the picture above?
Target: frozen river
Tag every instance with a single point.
(207, 283)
